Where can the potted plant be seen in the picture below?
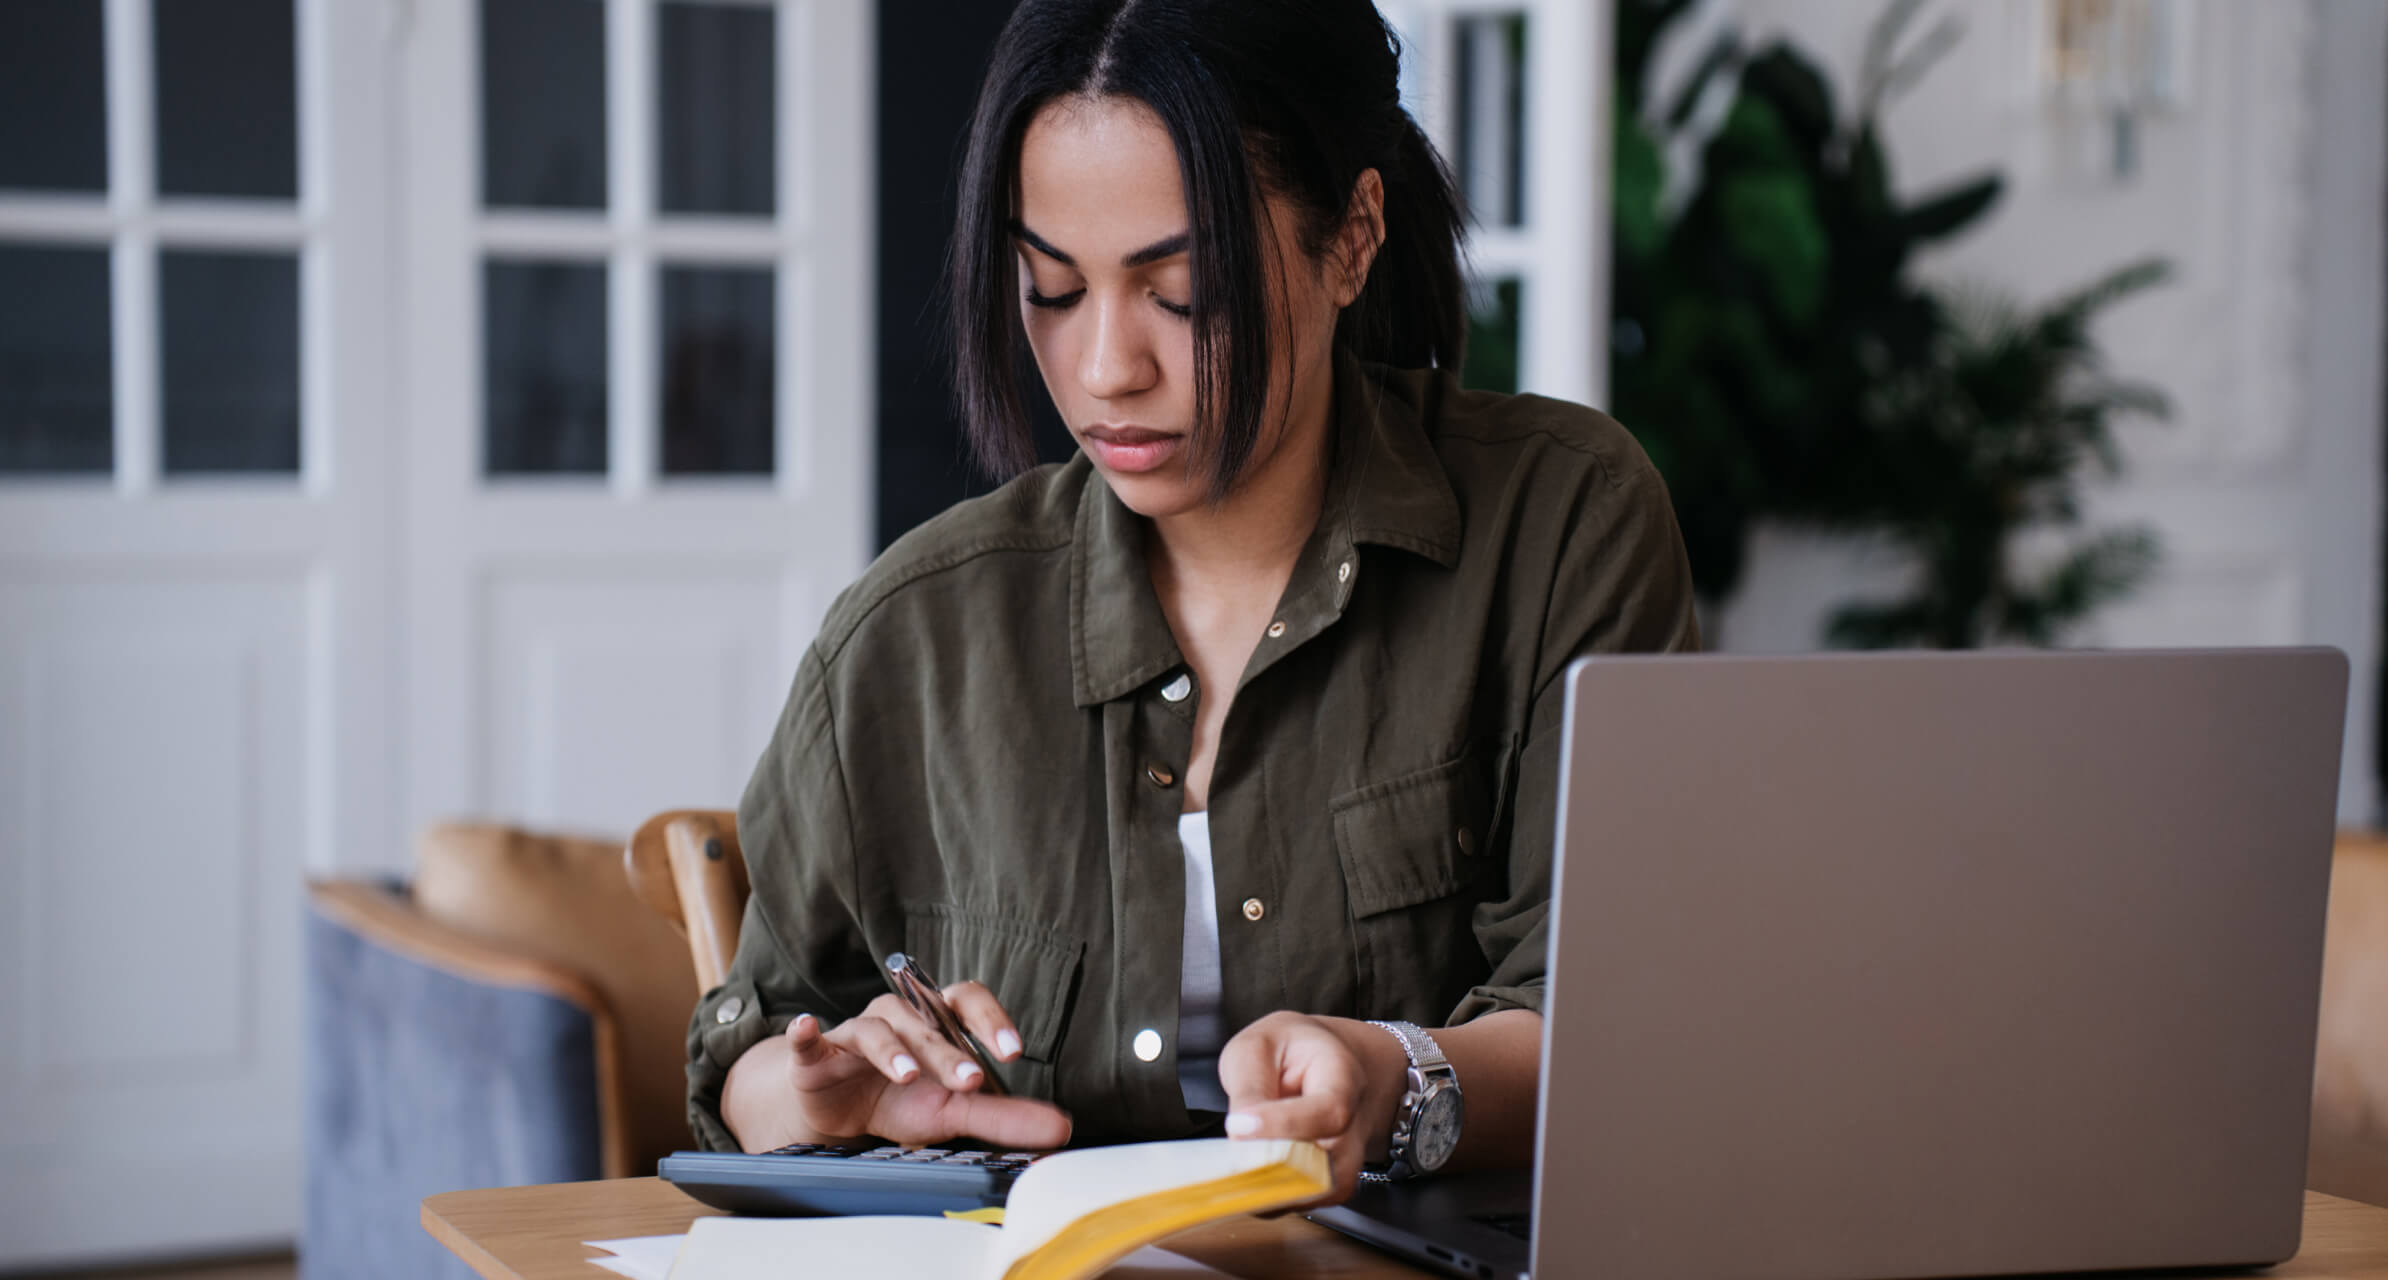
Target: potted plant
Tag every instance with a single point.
(1775, 354)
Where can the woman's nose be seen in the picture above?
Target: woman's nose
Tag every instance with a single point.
(1119, 358)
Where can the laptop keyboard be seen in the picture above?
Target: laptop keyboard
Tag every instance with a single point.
(1520, 1225)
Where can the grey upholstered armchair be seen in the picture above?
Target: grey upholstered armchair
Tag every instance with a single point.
(514, 1015)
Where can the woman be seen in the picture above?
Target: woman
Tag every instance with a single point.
(1240, 729)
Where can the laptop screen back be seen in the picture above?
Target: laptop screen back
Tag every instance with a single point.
(1935, 964)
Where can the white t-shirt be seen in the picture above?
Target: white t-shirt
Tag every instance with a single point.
(1198, 1031)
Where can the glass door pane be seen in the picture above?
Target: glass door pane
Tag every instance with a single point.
(543, 368)
(543, 104)
(57, 402)
(53, 114)
(227, 98)
(716, 128)
(718, 349)
(229, 354)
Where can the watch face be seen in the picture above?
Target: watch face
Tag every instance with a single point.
(1437, 1131)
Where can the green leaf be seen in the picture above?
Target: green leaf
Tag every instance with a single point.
(1771, 224)
(1798, 91)
(1724, 53)
(2099, 572)
(1639, 228)
(1951, 211)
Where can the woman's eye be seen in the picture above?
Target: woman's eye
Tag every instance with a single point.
(1055, 302)
(1180, 310)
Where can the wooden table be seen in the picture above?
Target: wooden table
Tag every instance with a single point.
(535, 1233)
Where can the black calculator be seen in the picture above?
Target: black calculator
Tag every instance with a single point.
(809, 1180)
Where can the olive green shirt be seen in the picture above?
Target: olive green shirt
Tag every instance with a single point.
(979, 762)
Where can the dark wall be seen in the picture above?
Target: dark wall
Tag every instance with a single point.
(932, 54)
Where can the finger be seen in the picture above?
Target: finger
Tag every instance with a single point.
(894, 1010)
(1344, 1163)
(815, 1062)
(1315, 1117)
(984, 1016)
(949, 1063)
(1314, 1096)
(1251, 1067)
(933, 1055)
(808, 1042)
(872, 1039)
(1014, 1124)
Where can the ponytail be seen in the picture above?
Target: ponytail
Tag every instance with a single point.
(1413, 311)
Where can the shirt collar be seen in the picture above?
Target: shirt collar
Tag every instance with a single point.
(1385, 486)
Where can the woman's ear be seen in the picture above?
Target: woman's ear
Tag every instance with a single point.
(1360, 236)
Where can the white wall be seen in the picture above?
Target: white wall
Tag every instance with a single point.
(2264, 189)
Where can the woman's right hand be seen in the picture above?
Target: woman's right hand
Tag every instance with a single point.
(887, 1074)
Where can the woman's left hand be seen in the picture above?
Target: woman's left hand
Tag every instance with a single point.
(1334, 1081)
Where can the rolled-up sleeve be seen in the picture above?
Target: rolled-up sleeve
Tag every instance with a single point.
(1623, 586)
(800, 946)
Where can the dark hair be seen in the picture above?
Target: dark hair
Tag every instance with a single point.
(1297, 97)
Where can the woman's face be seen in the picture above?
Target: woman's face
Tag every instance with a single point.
(1106, 291)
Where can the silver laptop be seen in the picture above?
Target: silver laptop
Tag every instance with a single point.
(1919, 965)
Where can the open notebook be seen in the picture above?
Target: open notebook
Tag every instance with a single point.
(1069, 1216)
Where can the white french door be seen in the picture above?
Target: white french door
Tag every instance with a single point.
(194, 592)
(408, 409)
(638, 415)
(1515, 94)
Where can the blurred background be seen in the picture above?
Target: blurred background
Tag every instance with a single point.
(414, 410)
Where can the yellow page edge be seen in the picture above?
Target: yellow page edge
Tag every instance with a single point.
(1113, 1232)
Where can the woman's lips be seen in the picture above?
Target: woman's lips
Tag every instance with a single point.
(1131, 449)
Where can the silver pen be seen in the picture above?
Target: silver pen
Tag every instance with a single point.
(911, 982)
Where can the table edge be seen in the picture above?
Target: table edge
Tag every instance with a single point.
(467, 1250)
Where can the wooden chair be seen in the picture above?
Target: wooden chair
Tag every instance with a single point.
(685, 864)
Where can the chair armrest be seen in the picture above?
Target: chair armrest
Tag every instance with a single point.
(381, 916)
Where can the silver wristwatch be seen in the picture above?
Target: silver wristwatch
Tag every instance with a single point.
(1426, 1126)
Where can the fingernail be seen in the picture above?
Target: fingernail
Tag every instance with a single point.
(905, 1067)
(966, 1072)
(806, 1021)
(1007, 1043)
(1241, 1124)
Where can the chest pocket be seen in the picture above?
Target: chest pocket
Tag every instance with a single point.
(1417, 856)
(1031, 969)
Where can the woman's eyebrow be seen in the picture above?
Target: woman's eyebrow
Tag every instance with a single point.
(1168, 247)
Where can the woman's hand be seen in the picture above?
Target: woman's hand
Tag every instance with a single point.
(887, 1074)
(1334, 1081)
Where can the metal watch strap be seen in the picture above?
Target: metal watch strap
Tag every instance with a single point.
(1426, 1059)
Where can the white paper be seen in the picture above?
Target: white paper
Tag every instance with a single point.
(930, 1237)
(639, 1257)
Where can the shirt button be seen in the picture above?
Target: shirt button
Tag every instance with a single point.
(1343, 572)
(1466, 841)
(1176, 690)
(1276, 628)
(729, 1010)
(1254, 908)
(1148, 1045)
(1159, 774)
